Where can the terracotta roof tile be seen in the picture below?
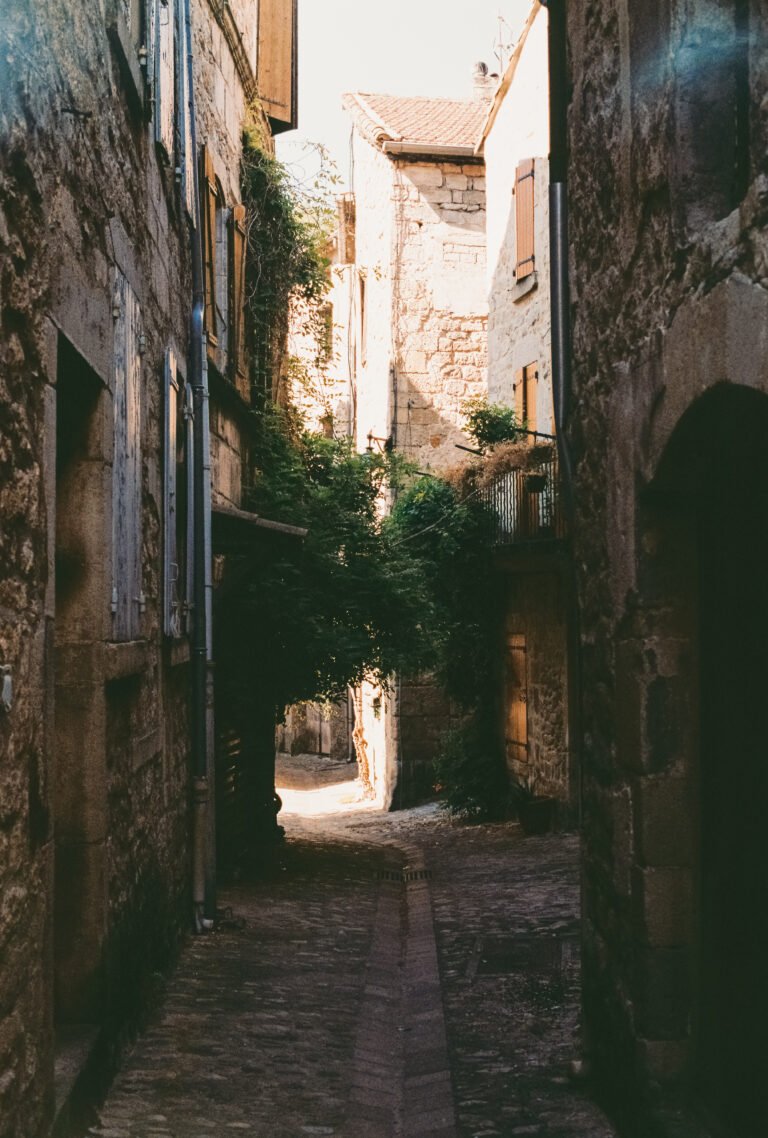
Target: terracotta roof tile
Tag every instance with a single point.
(441, 122)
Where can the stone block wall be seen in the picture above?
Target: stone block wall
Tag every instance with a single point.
(668, 250)
(84, 196)
(439, 306)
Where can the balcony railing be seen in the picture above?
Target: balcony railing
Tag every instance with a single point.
(526, 503)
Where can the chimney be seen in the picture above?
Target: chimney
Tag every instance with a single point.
(483, 83)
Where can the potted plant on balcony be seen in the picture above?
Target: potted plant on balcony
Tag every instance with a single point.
(535, 812)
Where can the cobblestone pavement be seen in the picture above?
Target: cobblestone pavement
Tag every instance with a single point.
(387, 975)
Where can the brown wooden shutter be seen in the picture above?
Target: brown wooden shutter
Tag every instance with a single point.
(276, 76)
(530, 389)
(164, 77)
(237, 290)
(208, 203)
(524, 208)
(516, 734)
(520, 395)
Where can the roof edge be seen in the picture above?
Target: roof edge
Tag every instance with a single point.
(508, 76)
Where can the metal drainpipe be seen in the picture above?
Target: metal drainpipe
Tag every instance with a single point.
(201, 529)
(561, 345)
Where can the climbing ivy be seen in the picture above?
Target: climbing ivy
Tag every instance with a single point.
(289, 227)
(448, 531)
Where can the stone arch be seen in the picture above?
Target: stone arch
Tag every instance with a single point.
(696, 647)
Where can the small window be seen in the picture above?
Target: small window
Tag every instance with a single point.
(524, 218)
(526, 395)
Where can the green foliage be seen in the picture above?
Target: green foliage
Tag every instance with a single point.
(468, 771)
(349, 604)
(491, 423)
(449, 534)
(287, 265)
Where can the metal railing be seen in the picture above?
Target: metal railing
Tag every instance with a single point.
(526, 503)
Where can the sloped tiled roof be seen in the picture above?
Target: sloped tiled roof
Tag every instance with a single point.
(417, 119)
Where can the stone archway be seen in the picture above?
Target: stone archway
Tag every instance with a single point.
(701, 637)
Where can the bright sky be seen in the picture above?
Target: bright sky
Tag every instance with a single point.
(400, 47)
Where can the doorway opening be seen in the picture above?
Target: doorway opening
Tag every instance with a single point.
(79, 799)
(710, 592)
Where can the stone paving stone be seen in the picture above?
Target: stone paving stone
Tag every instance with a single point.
(357, 1006)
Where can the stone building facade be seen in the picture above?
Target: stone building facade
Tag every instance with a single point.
(668, 252)
(531, 552)
(418, 345)
(97, 177)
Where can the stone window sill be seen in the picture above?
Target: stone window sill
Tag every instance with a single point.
(523, 287)
(127, 658)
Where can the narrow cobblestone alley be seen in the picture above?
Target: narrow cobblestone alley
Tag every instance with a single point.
(318, 1008)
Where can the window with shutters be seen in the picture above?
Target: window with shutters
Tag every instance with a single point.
(127, 596)
(237, 291)
(526, 395)
(165, 89)
(525, 261)
(178, 490)
(276, 71)
(209, 202)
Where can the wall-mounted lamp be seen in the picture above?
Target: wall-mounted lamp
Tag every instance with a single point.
(385, 445)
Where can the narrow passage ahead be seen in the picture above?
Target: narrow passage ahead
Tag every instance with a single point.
(384, 975)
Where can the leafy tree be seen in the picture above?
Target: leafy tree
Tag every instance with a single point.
(448, 530)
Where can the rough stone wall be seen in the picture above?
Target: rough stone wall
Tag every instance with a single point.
(536, 608)
(439, 306)
(668, 276)
(82, 194)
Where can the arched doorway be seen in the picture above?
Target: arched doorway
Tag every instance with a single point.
(705, 580)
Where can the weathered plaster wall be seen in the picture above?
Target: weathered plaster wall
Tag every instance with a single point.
(668, 275)
(518, 316)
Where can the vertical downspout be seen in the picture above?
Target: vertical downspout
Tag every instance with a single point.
(561, 352)
(201, 899)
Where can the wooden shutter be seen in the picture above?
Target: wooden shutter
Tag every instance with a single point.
(526, 383)
(524, 211)
(530, 387)
(276, 73)
(184, 114)
(237, 290)
(520, 395)
(164, 78)
(208, 203)
(516, 732)
(127, 597)
(189, 521)
(171, 600)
